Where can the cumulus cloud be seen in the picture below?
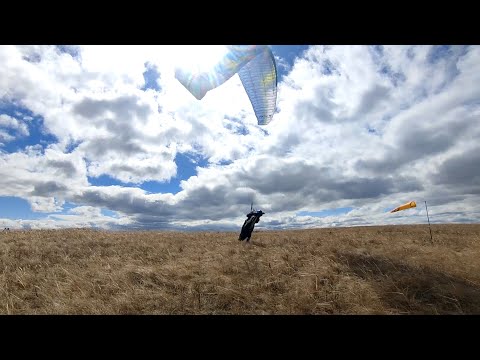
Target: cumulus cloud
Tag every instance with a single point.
(12, 128)
(78, 217)
(363, 127)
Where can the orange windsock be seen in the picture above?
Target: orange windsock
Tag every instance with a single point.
(406, 206)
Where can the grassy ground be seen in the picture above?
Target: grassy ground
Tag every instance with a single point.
(358, 270)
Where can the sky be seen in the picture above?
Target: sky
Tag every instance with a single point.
(106, 137)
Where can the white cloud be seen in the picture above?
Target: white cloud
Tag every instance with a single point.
(44, 179)
(79, 217)
(4, 136)
(11, 128)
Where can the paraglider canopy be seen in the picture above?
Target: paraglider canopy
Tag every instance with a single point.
(256, 67)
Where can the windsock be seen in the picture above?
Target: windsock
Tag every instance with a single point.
(406, 206)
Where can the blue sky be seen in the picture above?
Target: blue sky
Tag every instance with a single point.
(105, 136)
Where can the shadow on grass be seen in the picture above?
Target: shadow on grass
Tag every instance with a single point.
(412, 290)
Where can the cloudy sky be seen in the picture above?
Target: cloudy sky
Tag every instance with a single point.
(105, 136)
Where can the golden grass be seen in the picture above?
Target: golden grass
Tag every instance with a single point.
(359, 270)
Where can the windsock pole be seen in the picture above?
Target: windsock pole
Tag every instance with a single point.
(428, 218)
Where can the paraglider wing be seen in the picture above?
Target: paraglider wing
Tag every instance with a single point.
(257, 69)
(406, 206)
(259, 78)
(199, 83)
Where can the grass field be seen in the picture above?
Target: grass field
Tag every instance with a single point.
(357, 270)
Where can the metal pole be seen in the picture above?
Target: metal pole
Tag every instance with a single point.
(431, 238)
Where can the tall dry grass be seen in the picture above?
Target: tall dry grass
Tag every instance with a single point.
(359, 270)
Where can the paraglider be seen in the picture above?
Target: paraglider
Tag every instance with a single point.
(253, 217)
(406, 206)
(256, 67)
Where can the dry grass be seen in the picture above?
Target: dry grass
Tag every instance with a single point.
(361, 270)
